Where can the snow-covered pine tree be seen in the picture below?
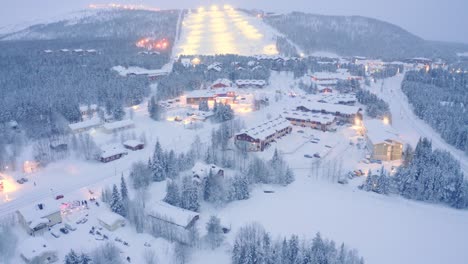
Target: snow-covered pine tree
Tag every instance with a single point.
(172, 193)
(157, 164)
(214, 232)
(72, 258)
(116, 204)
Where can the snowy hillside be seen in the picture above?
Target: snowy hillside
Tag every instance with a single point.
(102, 24)
(355, 35)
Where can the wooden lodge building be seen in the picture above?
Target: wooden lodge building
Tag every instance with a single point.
(259, 137)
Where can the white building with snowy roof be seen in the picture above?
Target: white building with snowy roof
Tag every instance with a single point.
(383, 141)
(36, 218)
(85, 125)
(37, 250)
(259, 137)
(110, 220)
(118, 126)
(324, 122)
(171, 222)
(201, 170)
(216, 66)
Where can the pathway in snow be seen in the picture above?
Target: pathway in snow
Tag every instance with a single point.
(410, 126)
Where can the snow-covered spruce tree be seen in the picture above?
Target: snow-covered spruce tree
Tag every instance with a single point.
(203, 106)
(172, 193)
(238, 188)
(189, 195)
(108, 253)
(116, 204)
(214, 189)
(214, 232)
(140, 175)
(157, 164)
(124, 195)
(85, 259)
(72, 258)
(154, 109)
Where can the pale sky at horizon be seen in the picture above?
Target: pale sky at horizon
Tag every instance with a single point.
(430, 19)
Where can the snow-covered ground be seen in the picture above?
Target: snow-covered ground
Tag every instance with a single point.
(411, 127)
(224, 30)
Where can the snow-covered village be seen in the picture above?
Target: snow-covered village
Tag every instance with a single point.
(224, 134)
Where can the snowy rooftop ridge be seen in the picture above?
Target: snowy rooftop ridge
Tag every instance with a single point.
(85, 124)
(34, 247)
(267, 128)
(164, 211)
(378, 132)
(309, 116)
(119, 124)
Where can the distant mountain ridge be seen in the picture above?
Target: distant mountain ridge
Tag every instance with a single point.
(357, 35)
(106, 23)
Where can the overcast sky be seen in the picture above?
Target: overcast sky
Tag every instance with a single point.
(430, 19)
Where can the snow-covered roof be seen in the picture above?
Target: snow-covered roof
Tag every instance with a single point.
(310, 116)
(336, 98)
(32, 214)
(170, 213)
(48, 51)
(110, 218)
(93, 122)
(123, 71)
(215, 66)
(78, 50)
(37, 222)
(378, 132)
(209, 93)
(202, 169)
(132, 143)
(91, 51)
(119, 124)
(331, 108)
(223, 81)
(267, 128)
(64, 50)
(108, 151)
(86, 107)
(251, 82)
(34, 247)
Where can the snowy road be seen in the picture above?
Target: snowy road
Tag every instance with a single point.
(224, 30)
(410, 126)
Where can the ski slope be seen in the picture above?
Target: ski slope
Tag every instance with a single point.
(410, 126)
(224, 30)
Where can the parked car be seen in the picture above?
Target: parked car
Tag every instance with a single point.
(64, 230)
(24, 179)
(317, 155)
(328, 146)
(20, 181)
(300, 131)
(55, 234)
(58, 197)
(70, 226)
(343, 181)
(308, 156)
(313, 141)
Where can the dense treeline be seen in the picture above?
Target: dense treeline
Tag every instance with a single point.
(375, 107)
(440, 98)
(426, 175)
(253, 245)
(354, 35)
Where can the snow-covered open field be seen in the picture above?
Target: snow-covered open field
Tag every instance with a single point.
(224, 30)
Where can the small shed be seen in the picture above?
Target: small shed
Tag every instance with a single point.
(111, 221)
(37, 250)
(134, 144)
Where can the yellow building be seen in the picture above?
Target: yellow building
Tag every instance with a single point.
(383, 141)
